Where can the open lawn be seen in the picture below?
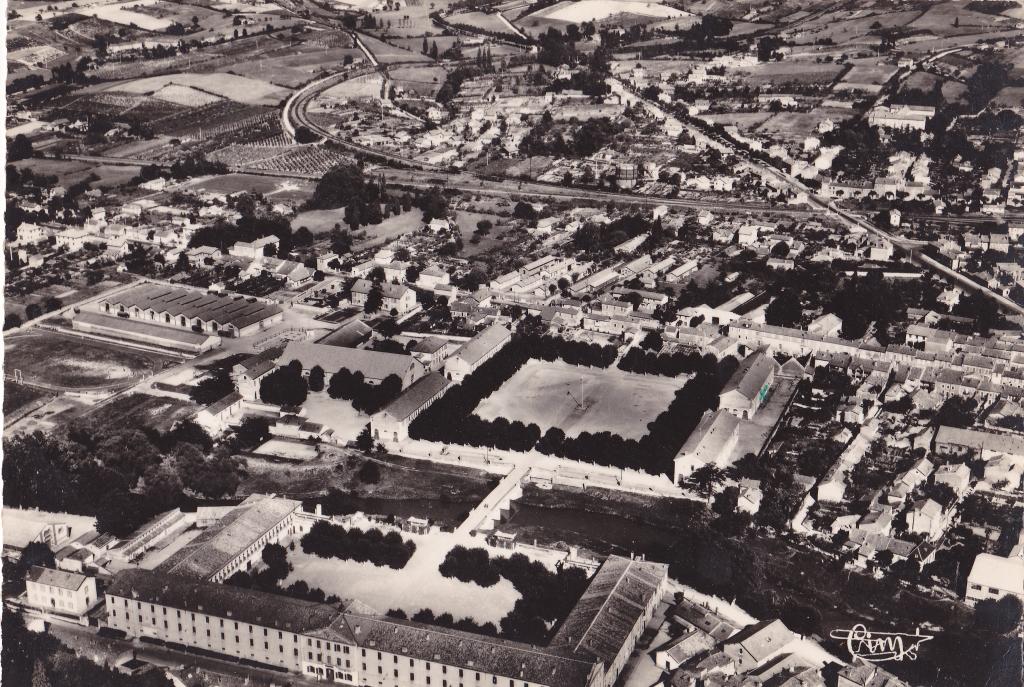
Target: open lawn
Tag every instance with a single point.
(70, 172)
(421, 80)
(320, 221)
(295, 66)
(800, 124)
(416, 586)
(390, 229)
(580, 399)
(71, 362)
(275, 188)
(141, 410)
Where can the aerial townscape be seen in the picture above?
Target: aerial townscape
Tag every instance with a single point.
(514, 343)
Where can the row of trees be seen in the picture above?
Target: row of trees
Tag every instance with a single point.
(427, 617)
(668, 364)
(269, 579)
(333, 541)
(365, 397)
(546, 597)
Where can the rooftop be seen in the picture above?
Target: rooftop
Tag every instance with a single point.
(416, 395)
(372, 364)
(483, 343)
(222, 309)
(56, 578)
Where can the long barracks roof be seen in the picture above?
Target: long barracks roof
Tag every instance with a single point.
(372, 364)
(751, 375)
(614, 602)
(483, 343)
(222, 309)
(208, 553)
(245, 605)
(416, 395)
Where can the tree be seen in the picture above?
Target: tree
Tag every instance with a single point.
(19, 149)
(35, 553)
(12, 320)
(285, 386)
(32, 311)
(39, 677)
(213, 388)
(1000, 616)
(275, 557)
(706, 479)
(374, 300)
(364, 442)
(253, 431)
(785, 310)
(369, 473)
(316, 378)
(652, 341)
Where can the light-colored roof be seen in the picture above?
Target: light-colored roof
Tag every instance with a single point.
(1011, 444)
(372, 364)
(1005, 574)
(763, 639)
(222, 309)
(387, 289)
(56, 578)
(208, 553)
(751, 375)
(707, 442)
(21, 527)
(483, 343)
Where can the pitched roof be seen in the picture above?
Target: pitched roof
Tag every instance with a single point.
(763, 639)
(988, 441)
(387, 289)
(614, 602)
(413, 398)
(751, 375)
(245, 605)
(191, 303)
(217, 546)
(707, 442)
(431, 344)
(56, 578)
(483, 343)
(372, 364)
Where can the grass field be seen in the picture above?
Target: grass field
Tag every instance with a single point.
(275, 188)
(72, 362)
(238, 88)
(70, 172)
(142, 410)
(613, 401)
(18, 396)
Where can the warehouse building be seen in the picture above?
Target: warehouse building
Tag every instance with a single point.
(375, 366)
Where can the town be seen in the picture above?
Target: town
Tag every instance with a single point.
(551, 343)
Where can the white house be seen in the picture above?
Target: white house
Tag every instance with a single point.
(60, 591)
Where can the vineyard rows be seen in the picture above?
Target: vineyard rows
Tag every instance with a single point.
(306, 160)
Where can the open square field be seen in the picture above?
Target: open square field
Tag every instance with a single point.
(546, 393)
(141, 410)
(237, 88)
(417, 586)
(70, 362)
(275, 188)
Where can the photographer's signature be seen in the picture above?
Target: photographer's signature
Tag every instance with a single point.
(881, 646)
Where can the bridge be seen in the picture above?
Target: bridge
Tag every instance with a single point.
(488, 513)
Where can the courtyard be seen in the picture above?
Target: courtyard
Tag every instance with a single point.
(582, 399)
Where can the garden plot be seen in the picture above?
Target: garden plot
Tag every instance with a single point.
(581, 399)
(123, 14)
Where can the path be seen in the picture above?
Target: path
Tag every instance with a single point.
(508, 489)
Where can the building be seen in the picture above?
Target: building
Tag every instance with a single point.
(392, 423)
(257, 249)
(60, 591)
(189, 309)
(901, 116)
(235, 542)
(993, 577)
(432, 277)
(927, 517)
(860, 673)
(476, 351)
(248, 374)
(353, 647)
(755, 645)
(294, 274)
(432, 351)
(397, 298)
(375, 366)
(22, 527)
(216, 417)
(712, 442)
(986, 445)
(748, 387)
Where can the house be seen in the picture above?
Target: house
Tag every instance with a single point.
(395, 271)
(267, 245)
(755, 645)
(955, 476)
(712, 442)
(750, 496)
(22, 527)
(828, 324)
(216, 417)
(248, 374)
(328, 262)
(31, 233)
(630, 245)
(59, 591)
(861, 673)
(748, 387)
(437, 225)
(398, 298)
(748, 234)
(295, 274)
(432, 351)
(928, 518)
(681, 649)
(392, 423)
(74, 239)
(375, 366)
(432, 277)
(993, 577)
(476, 351)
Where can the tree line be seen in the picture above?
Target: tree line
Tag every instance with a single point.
(367, 398)
(668, 364)
(546, 597)
(333, 541)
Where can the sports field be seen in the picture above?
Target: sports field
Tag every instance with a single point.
(581, 399)
(70, 362)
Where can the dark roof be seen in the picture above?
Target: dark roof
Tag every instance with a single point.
(416, 395)
(129, 328)
(373, 364)
(222, 309)
(535, 665)
(348, 335)
(245, 605)
(751, 375)
(431, 344)
(223, 404)
(483, 343)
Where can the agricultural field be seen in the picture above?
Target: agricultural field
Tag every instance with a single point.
(798, 72)
(130, 14)
(386, 53)
(953, 19)
(319, 221)
(467, 222)
(798, 125)
(855, 26)
(576, 400)
(576, 12)
(389, 230)
(71, 362)
(867, 72)
(274, 188)
(480, 20)
(237, 88)
(141, 410)
(424, 81)
(1011, 97)
(291, 67)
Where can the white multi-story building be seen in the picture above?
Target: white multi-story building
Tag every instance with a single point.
(60, 591)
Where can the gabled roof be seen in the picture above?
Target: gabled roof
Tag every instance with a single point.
(751, 375)
(483, 343)
(372, 364)
(56, 578)
(763, 639)
(416, 395)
